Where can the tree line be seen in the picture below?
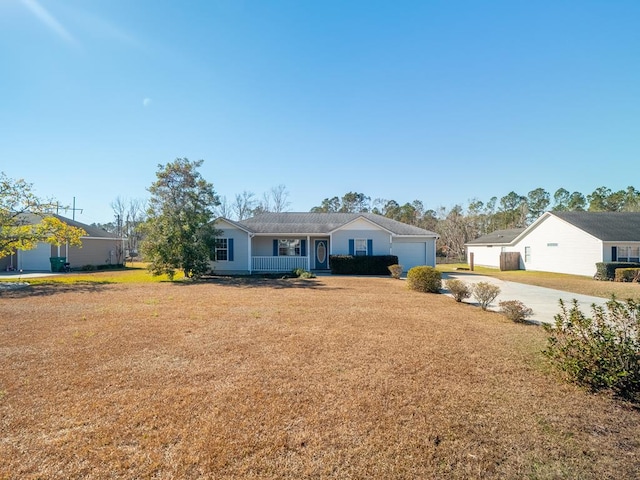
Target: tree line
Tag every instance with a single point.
(455, 225)
(459, 224)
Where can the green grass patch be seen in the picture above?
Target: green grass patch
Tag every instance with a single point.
(126, 275)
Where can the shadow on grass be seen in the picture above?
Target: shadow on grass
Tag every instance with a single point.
(52, 288)
(243, 281)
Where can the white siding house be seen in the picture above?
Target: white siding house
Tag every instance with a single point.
(281, 242)
(565, 242)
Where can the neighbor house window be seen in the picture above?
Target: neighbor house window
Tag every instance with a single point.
(288, 248)
(527, 254)
(222, 249)
(360, 246)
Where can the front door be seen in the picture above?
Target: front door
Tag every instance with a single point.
(322, 255)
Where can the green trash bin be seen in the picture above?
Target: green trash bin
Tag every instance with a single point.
(57, 263)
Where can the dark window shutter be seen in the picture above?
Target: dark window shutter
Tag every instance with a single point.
(303, 248)
(230, 246)
(352, 246)
(614, 254)
(369, 246)
(275, 247)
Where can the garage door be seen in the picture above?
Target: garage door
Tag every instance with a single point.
(36, 259)
(410, 254)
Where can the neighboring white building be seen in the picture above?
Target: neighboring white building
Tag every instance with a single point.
(281, 242)
(564, 242)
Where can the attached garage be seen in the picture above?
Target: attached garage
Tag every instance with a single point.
(411, 254)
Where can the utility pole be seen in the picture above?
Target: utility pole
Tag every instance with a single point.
(73, 209)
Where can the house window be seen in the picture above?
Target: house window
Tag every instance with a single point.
(527, 254)
(222, 249)
(628, 254)
(360, 246)
(288, 248)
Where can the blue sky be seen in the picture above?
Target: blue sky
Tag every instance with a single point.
(440, 101)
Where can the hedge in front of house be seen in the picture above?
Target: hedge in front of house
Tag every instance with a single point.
(607, 270)
(627, 274)
(362, 264)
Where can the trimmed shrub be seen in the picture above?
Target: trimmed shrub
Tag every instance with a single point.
(515, 310)
(424, 279)
(485, 293)
(601, 352)
(396, 270)
(607, 270)
(627, 275)
(362, 264)
(302, 273)
(458, 289)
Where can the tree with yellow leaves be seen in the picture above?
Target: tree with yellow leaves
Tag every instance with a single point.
(25, 219)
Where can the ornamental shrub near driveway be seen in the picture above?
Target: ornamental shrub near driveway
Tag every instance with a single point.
(458, 289)
(424, 279)
(485, 293)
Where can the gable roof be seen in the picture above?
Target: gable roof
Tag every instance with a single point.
(92, 232)
(499, 237)
(605, 226)
(323, 223)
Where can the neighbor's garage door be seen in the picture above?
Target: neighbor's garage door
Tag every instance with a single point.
(410, 254)
(36, 259)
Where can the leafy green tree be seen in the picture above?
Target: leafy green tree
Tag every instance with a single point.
(328, 205)
(180, 234)
(25, 219)
(561, 200)
(353, 202)
(538, 201)
(599, 200)
(513, 210)
(577, 202)
(631, 200)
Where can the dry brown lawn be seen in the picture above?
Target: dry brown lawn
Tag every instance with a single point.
(335, 377)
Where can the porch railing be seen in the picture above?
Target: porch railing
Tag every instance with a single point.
(278, 264)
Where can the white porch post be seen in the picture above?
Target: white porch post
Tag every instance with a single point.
(250, 239)
(308, 254)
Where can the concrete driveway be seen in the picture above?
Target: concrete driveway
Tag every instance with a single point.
(543, 301)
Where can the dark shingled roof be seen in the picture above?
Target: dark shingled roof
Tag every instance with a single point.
(498, 237)
(606, 226)
(323, 223)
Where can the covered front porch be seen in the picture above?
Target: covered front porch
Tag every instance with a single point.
(289, 254)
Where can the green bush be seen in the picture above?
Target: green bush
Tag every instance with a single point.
(485, 293)
(88, 268)
(515, 310)
(361, 264)
(607, 270)
(424, 279)
(302, 273)
(458, 289)
(627, 275)
(602, 352)
(396, 270)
